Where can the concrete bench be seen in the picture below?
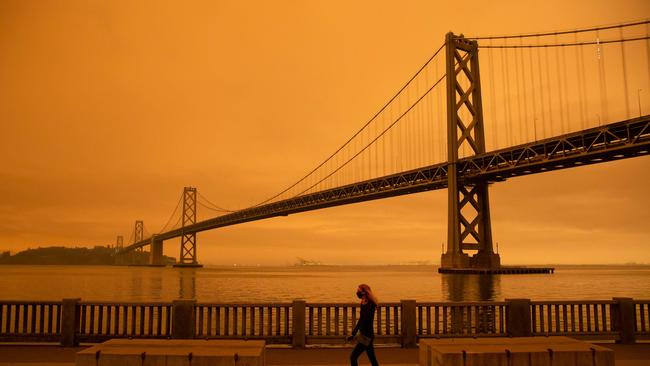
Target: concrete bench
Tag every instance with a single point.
(161, 352)
(524, 351)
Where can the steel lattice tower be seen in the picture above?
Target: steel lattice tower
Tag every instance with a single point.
(119, 243)
(468, 222)
(188, 239)
(138, 233)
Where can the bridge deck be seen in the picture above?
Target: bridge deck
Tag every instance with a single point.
(625, 139)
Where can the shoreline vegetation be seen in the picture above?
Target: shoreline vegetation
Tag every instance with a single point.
(58, 255)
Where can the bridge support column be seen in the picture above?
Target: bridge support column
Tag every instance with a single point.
(469, 226)
(156, 258)
(188, 239)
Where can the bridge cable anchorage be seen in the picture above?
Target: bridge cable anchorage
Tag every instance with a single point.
(387, 104)
(579, 30)
(376, 138)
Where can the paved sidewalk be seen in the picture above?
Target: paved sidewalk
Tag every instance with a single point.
(41, 355)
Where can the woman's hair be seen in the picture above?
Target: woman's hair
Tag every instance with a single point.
(369, 295)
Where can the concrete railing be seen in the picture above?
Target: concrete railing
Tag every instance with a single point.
(298, 323)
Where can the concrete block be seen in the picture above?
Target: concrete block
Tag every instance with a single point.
(486, 359)
(85, 360)
(540, 358)
(120, 358)
(449, 359)
(177, 360)
(153, 359)
(603, 357)
(184, 352)
(525, 351)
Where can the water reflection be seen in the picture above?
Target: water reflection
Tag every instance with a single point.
(156, 285)
(462, 287)
(187, 283)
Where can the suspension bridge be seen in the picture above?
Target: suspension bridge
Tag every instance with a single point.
(541, 102)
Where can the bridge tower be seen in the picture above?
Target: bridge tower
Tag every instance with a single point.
(138, 233)
(468, 222)
(119, 243)
(188, 239)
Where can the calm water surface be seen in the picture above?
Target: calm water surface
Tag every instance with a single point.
(314, 284)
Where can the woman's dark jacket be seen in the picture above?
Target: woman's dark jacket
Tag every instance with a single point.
(364, 325)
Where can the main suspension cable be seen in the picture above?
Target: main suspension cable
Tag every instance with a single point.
(359, 131)
(582, 30)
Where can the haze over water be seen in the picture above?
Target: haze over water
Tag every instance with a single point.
(314, 283)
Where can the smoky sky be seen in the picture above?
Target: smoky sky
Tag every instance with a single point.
(108, 109)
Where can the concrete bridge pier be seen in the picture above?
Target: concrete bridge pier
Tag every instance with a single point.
(156, 256)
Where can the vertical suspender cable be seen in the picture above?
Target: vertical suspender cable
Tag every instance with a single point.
(506, 105)
(429, 123)
(565, 84)
(625, 90)
(436, 149)
(534, 96)
(525, 120)
(580, 71)
(560, 103)
(548, 87)
(493, 112)
(541, 90)
(600, 55)
(647, 51)
(519, 95)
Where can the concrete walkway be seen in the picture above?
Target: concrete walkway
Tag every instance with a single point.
(40, 355)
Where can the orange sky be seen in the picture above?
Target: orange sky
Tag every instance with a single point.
(107, 109)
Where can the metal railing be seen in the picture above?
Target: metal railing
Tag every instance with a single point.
(573, 318)
(30, 320)
(99, 321)
(271, 322)
(333, 322)
(642, 316)
(297, 323)
(462, 319)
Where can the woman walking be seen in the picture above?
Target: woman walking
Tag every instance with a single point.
(364, 326)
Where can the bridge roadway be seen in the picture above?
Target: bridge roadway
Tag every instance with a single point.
(620, 140)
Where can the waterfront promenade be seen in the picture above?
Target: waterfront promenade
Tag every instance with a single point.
(41, 355)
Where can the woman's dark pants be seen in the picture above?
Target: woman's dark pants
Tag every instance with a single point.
(358, 350)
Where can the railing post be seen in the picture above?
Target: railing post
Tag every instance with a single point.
(623, 318)
(298, 323)
(183, 319)
(409, 330)
(518, 322)
(69, 322)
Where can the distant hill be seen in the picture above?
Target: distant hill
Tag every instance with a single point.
(98, 255)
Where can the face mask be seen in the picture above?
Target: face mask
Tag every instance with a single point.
(360, 294)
